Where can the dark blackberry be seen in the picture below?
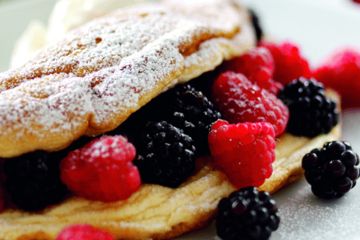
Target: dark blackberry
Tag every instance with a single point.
(184, 107)
(247, 214)
(194, 113)
(256, 24)
(332, 170)
(166, 156)
(33, 180)
(311, 111)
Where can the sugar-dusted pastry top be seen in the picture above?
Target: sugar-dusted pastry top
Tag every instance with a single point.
(91, 81)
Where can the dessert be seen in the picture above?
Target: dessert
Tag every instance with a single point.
(117, 76)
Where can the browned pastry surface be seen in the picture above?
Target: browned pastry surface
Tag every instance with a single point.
(90, 82)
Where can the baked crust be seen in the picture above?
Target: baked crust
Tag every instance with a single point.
(156, 212)
(91, 82)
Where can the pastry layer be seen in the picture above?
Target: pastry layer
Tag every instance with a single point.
(90, 82)
(156, 212)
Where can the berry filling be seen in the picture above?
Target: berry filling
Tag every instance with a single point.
(241, 101)
(102, 170)
(163, 141)
(289, 62)
(311, 111)
(232, 149)
(83, 232)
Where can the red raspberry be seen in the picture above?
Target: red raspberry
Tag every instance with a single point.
(258, 66)
(83, 232)
(342, 73)
(244, 151)
(289, 62)
(241, 101)
(102, 170)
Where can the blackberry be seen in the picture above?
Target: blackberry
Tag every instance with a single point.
(33, 180)
(194, 113)
(311, 111)
(247, 214)
(256, 24)
(166, 155)
(184, 107)
(332, 170)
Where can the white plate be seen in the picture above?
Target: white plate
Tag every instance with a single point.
(319, 27)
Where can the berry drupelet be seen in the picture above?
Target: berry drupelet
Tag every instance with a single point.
(332, 170)
(311, 111)
(166, 156)
(247, 214)
(33, 180)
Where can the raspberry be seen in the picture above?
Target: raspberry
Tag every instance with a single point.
(332, 170)
(311, 111)
(289, 62)
(247, 214)
(241, 101)
(233, 146)
(83, 232)
(102, 170)
(342, 73)
(258, 66)
(33, 180)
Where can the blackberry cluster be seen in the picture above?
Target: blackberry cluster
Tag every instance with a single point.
(247, 214)
(332, 170)
(184, 107)
(194, 113)
(256, 24)
(33, 180)
(167, 156)
(311, 111)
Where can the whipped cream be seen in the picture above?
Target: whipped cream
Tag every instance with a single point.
(66, 15)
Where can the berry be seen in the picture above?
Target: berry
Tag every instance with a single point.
(33, 180)
(2, 198)
(83, 232)
(102, 170)
(341, 72)
(184, 107)
(194, 114)
(332, 170)
(233, 146)
(289, 62)
(258, 66)
(256, 24)
(241, 101)
(311, 111)
(167, 156)
(247, 214)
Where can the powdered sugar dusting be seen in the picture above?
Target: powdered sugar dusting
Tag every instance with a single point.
(303, 216)
(99, 74)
